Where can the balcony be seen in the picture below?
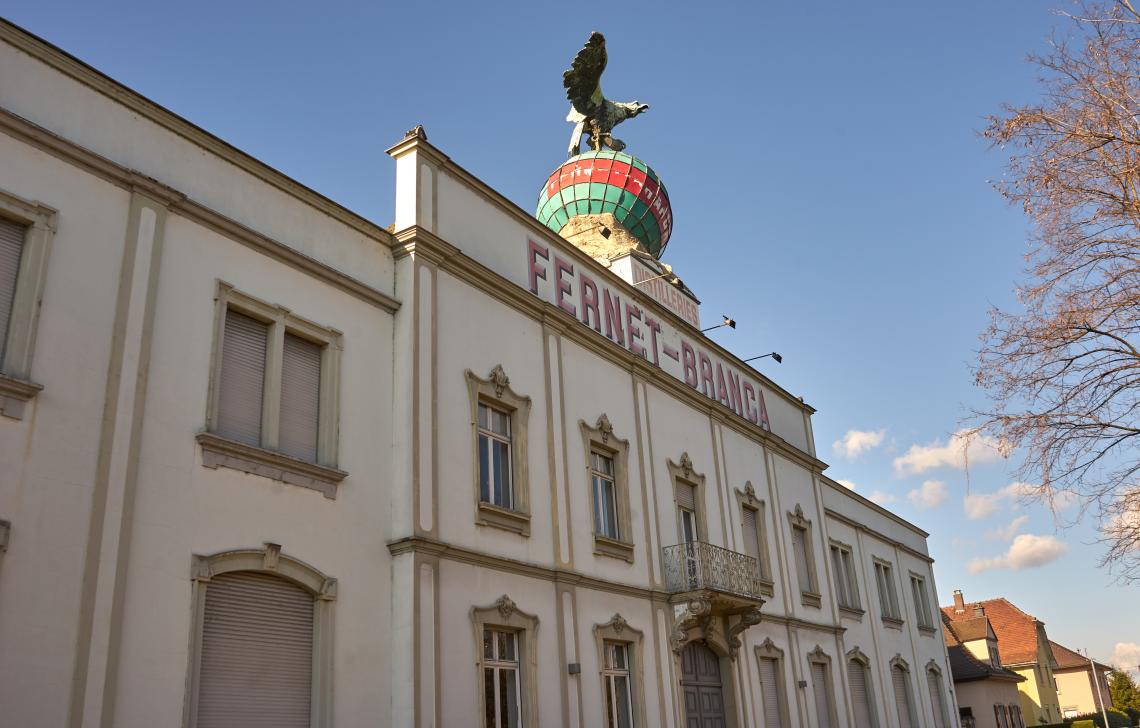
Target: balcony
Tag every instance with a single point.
(727, 576)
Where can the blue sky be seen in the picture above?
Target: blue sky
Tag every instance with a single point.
(829, 188)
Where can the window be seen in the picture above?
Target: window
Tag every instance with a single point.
(859, 680)
(507, 665)
(769, 660)
(1000, 716)
(619, 663)
(937, 701)
(261, 646)
(499, 419)
(1015, 720)
(846, 587)
(888, 600)
(995, 657)
(687, 492)
(820, 665)
(273, 406)
(966, 716)
(607, 472)
(495, 457)
(687, 512)
(615, 675)
(752, 529)
(500, 679)
(802, 553)
(26, 230)
(921, 602)
(904, 705)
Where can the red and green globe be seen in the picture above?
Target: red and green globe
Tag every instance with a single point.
(605, 181)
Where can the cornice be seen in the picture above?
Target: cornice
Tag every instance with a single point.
(873, 506)
(129, 179)
(881, 536)
(79, 71)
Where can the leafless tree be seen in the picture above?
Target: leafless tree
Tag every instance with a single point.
(1063, 368)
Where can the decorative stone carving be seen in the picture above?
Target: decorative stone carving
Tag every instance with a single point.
(272, 553)
(686, 465)
(499, 380)
(506, 606)
(604, 427)
(696, 613)
(618, 623)
(748, 619)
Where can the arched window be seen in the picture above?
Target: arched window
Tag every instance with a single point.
(937, 699)
(260, 648)
(859, 681)
(904, 703)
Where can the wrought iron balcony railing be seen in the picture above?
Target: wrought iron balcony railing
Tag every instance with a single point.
(699, 565)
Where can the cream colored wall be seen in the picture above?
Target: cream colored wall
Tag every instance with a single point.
(1075, 690)
(983, 695)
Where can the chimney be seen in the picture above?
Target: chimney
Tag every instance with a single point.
(959, 603)
(979, 610)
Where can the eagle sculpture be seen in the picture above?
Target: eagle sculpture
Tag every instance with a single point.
(590, 112)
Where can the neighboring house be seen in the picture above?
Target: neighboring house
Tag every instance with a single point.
(1075, 687)
(274, 464)
(987, 693)
(1020, 644)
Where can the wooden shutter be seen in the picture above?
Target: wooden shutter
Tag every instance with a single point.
(242, 384)
(751, 533)
(860, 698)
(902, 697)
(934, 684)
(770, 692)
(820, 691)
(687, 496)
(11, 247)
(257, 653)
(300, 398)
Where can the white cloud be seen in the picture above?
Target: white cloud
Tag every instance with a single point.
(856, 442)
(1006, 533)
(931, 494)
(1126, 655)
(984, 505)
(846, 484)
(881, 497)
(1026, 552)
(961, 449)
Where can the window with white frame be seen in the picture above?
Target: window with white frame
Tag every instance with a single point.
(495, 473)
(603, 478)
(501, 689)
(753, 533)
(846, 586)
(616, 673)
(888, 598)
(607, 474)
(803, 555)
(904, 703)
(921, 602)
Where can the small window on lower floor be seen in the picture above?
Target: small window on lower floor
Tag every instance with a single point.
(616, 676)
(501, 689)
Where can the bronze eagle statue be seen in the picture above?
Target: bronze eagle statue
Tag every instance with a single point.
(590, 112)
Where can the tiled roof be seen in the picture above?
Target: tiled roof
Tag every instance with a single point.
(1067, 659)
(964, 667)
(973, 628)
(1015, 630)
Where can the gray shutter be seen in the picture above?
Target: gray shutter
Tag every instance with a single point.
(751, 533)
(11, 246)
(686, 496)
(242, 384)
(902, 697)
(769, 692)
(932, 682)
(300, 398)
(799, 548)
(819, 688)
(257, 653)
(860, 699)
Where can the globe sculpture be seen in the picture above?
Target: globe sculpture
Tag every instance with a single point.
(610, 194)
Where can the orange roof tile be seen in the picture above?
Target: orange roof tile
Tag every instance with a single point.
(1067, 659)
(1015, 630)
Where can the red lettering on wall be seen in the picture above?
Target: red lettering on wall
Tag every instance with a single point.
(633, 312)
(707, 385)
(749, 398)
(734, 392)
(654, 329)
(689, 364)
(721, 390)
(563, 286)
(613, 318)
(763, 412)
(535, 272)
(590, 302)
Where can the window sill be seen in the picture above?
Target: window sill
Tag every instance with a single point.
(504, 518)
(218, 451)
(614, 548)
(766, 587)
(14, 394)
(926, 630)
(811, 599)
(893, 622)
(851, 612)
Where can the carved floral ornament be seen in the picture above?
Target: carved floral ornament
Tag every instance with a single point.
(618, 623)
(749, 492)
(604, 427)
(748, 619)
(506, 606)
(686, 465)
(499, 380)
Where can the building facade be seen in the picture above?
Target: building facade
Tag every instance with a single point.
(265, 460)
(1078, 691)
(988, 695)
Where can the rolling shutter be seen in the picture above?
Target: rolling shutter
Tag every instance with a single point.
(687, 497)
(799, 548)
(751, 534)
(769, 692)
(257, 653)
(242, 385)
(11, 246)
(300, 398)
(902, 697)
(860, 699)
(820, 691)
(936, 699)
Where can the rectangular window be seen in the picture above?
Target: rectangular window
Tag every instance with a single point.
(11, 250)
(902, 698)
(803, 568)
(770, 690)
(242, 384)
(999, 716)
(847, 589)
(860, 696)
(921, 602)
(687, 512)
(888, 600)
(934, 683)
(616, 677)
(500, 679)
(602, 474)
(821, 691)
(495, 481)
(300, 398)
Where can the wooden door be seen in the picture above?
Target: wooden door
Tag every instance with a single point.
(702, 687)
